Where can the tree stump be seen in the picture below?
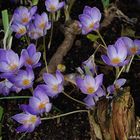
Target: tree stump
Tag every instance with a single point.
(115, 119)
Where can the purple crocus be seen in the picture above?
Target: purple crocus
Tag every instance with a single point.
(28, 121)
(23, 16)
(116, 54)
(30, 57)
(19, 29)
(41, 22)
(9, 61)
(117, 85)
(53, 5)
(6, 86)
(23, 79)
(90, 64)
(89, 85)
(53, 84)
(39, 103)
(91, 100)
(90, 19)
(133, 47)
(34, 32)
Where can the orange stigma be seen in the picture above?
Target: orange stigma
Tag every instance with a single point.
(55, 88)
(13, 67)
(52, 8)
(29, 61)
(90, 90)
(25, 19)
(26, 82)
(116, 60)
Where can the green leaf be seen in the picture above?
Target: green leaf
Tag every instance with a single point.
(92, 37)
(35, 2)
(5, 20)
(105, 3)
(1, 113)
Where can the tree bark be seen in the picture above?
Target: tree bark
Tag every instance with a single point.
(113, 120)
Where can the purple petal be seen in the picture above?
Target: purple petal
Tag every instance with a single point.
(89, 101)
(120, 82)
(48, 107)
(33, 10)
(31, 50)
(98, 81)
(106, 59)
(111, 52)
(22, 128)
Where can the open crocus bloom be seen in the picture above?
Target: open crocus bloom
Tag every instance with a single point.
(19, 29)
(28, 121)
(90, 19)
(133, 47)
(9, 61)
(53, 5)
(30, 57)
(88, 84)
(23, 16)
(53, 84)
(91, 100)
(117, 85)
(41, 22)
(39, 103)
(23, 79)
(116, 54)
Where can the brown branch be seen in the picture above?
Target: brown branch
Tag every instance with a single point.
(70, 33)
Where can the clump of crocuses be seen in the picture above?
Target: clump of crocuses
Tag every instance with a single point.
(28, 22)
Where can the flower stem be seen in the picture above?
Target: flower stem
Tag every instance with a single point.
(129, 65)
(15, 97)
(44, 56)
(101, 38)
(50, 42)
(119, 73)
(22, 136)
(27, 39)
(65, 114)
(74, 99)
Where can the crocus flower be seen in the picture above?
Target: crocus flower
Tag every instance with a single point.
(53, 5)
(39, 103)
(53, 84)
(19, 29)
(23, 16)
(23, 79)
(91, 100)
(34, 32)
(90, 64)
(41, 22)
(90, 19)
(116, 54)
(132, 46)
(88, 84)
(9, 61)
(28, 121)
(6, 86)
(30, 57)
(117, 85)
